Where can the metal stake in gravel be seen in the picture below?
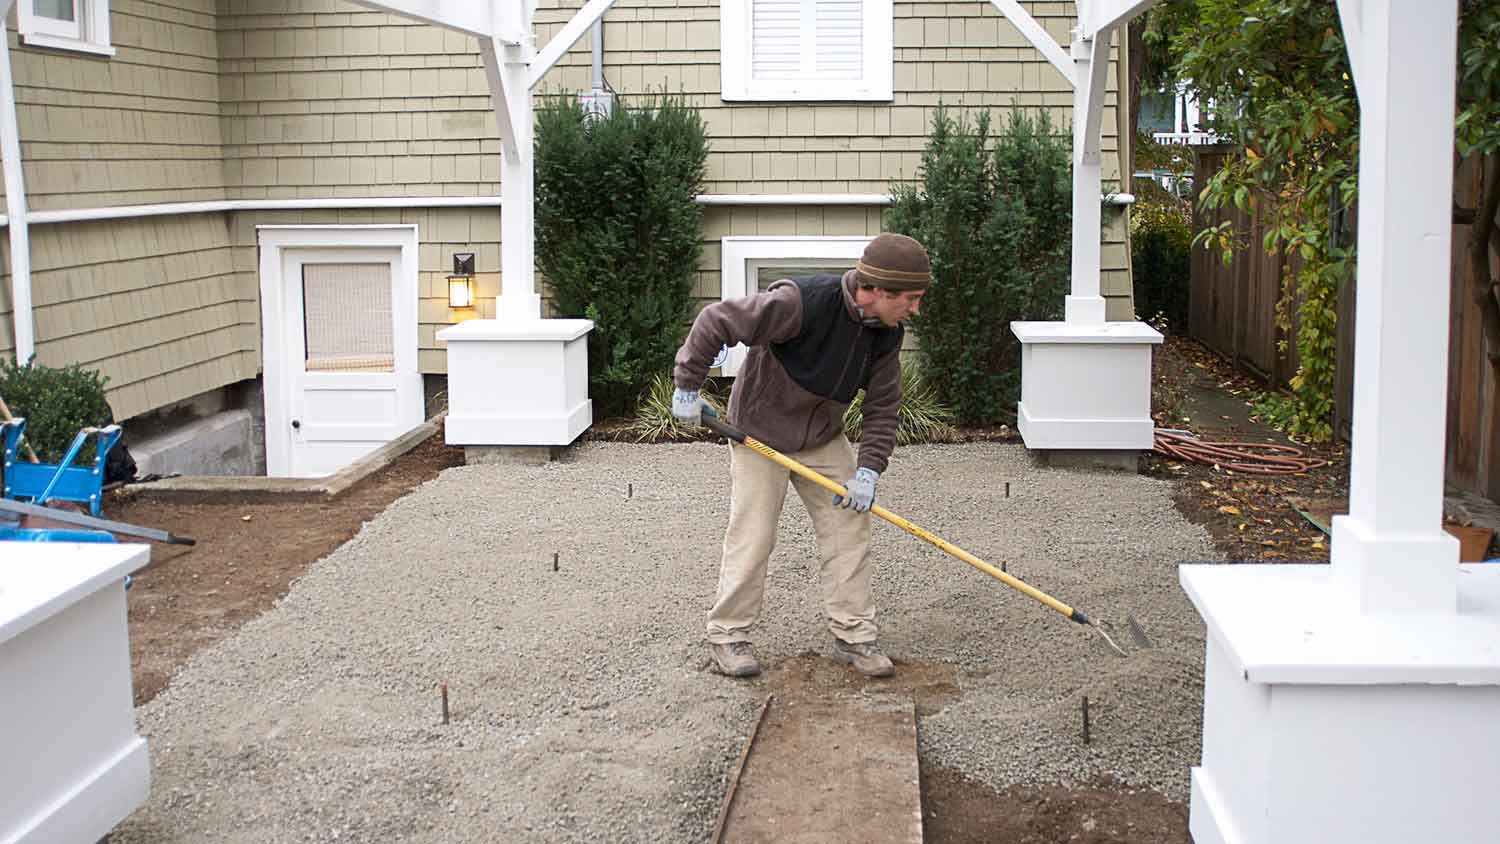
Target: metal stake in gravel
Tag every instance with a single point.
(711, 420)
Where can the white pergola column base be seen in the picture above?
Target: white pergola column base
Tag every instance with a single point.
(517, 383)
(1411, 572)
(1083, 309)
(1322, 723)
(1086, 385)
(74, 766)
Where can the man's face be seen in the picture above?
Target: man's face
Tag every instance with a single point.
(890, 307)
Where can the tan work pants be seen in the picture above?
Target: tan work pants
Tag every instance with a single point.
(755, 500)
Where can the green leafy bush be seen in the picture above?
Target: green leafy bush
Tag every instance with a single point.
(56, 404)
(994, 214)
(618, 232)
(1161, 242)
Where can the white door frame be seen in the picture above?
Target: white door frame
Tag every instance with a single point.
(273, 242)
(737, 250)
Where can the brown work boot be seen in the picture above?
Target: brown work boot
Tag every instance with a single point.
(734, 659)
(865, 657)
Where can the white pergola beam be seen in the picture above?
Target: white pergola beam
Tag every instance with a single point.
(1091, 57)
(1102, 16)
(490, 51)
(473, 17)
(1038, 36)
(563, 41)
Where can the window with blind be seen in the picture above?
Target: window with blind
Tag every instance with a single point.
(346, 312)
(806, 49)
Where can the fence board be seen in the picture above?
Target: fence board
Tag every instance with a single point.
(1234, 308)
(1232, 311)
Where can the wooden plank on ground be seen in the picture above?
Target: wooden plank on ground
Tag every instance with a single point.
(829, 769)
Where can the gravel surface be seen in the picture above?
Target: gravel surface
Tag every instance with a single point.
(582, 705)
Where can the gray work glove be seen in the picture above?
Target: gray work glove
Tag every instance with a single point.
(687, 407)
(861, 490)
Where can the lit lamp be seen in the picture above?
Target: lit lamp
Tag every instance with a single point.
(461, 283)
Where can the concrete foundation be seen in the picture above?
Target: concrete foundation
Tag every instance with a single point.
(221, 444)
(194, 487)
(511, 455)
(1111, 460)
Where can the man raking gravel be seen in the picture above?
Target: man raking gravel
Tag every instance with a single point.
(814, 344)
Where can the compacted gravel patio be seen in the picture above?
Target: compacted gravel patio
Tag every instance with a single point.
(582, 707)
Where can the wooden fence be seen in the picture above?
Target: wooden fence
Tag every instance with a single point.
(1232, 310)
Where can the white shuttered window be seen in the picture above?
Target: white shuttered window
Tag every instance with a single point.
(806, 49)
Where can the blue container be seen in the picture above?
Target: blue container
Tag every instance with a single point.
(49, 535)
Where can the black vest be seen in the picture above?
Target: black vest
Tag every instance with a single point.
(830, 357)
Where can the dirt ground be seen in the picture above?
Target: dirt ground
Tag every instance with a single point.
(960, 810)
(249, 553)
(1252, 518)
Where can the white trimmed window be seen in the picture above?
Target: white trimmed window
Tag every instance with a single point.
(751, 264)
(806, 49)
(81, 25)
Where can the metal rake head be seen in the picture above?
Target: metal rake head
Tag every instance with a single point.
(1137, 632)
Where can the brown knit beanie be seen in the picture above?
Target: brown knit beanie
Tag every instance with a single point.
(895, 262)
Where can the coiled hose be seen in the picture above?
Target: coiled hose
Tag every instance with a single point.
(1250, 458)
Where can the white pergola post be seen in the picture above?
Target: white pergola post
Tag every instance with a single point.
(518, 379)
(1391, 549)
(1091, 63)
(1357, 701)
(507, 65)
(18, 228)
(1085, 382)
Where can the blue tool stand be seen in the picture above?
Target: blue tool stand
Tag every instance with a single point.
(43, 482)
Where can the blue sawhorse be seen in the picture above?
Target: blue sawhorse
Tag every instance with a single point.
(43, 482)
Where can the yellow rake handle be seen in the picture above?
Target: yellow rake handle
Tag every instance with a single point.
(713, 422)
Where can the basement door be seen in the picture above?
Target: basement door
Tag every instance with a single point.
(342, 379)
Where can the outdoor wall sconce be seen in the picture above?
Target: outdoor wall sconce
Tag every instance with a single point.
(461, 283)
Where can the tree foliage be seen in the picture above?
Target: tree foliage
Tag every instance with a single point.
(1275, 75)
(618, 232)
(1478, 135)
(994, 212)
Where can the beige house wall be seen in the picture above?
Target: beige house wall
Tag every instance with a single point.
(328, 99)
(138, 127)
(152, 303)
(963, 55)
(774, 221)
(284, 99)
(440, 233)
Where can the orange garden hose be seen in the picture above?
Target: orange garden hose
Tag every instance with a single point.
(1249, 458)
